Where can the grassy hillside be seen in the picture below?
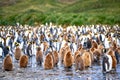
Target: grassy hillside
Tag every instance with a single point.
(71, 12)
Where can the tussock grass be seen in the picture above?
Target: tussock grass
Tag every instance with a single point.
(69, 12)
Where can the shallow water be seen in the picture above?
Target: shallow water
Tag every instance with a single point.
(35, 72)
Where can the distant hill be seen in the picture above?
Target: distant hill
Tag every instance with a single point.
(70, 12)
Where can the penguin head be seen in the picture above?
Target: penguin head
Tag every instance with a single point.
(104, 50)
(16, 44)
(105, 60)
(7, 47)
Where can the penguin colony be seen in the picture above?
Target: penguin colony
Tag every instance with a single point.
(78, 46)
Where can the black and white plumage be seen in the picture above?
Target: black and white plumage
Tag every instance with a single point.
(107, 63)
(5, 51)
(1, 52)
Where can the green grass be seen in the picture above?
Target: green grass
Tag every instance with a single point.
(69, 12)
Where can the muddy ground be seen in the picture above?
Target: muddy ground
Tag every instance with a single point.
(34, 72)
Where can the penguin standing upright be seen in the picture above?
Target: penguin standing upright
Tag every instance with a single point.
(87, 58)
(106, 63)
(68, 60)
(23, 61)
(79, 62)
(18, 52)
(114, 61)
(48, 63)
(29, 50)
(39, 56)
(7, 64)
